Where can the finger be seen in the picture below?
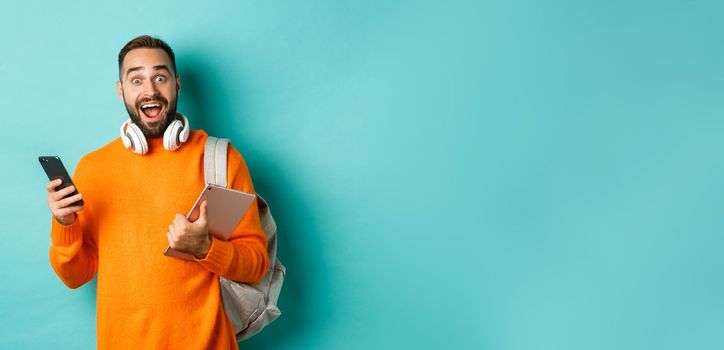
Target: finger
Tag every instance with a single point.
(172, 238)
(61, 202)
(67, 190)
(68, 210)
(53, 184)
(180, 222)
(68, 201)
(58, 195)
(203, 213)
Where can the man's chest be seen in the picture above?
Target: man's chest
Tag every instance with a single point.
(139, 202)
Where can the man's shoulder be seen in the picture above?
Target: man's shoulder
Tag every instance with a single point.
(197, 137)
(233, 153)
(103, 153)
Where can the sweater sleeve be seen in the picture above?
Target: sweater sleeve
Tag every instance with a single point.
(243, 257)
(73, 255)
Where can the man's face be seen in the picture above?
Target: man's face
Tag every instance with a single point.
(149, 88)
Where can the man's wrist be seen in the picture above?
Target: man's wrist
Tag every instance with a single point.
(205, 249)
(66, 222)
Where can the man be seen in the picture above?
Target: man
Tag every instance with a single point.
(134, 191)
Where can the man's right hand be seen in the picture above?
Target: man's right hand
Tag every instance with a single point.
(62, 211)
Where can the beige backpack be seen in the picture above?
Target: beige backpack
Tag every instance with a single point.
(250, 307)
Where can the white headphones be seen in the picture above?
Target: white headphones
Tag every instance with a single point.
(176, 134)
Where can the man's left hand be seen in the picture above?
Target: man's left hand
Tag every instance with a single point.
(190, 237)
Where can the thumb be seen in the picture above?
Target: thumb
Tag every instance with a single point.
(202, 213)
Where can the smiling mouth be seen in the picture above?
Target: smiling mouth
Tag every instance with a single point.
(152, 110)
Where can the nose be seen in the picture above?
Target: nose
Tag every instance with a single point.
(150, 88)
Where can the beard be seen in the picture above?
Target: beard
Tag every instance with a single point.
(156, 128)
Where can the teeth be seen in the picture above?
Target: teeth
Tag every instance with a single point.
(151, 105)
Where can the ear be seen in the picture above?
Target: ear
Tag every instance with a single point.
(178, 84)
(119, 89)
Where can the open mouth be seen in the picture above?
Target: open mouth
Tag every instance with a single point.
(152, 110)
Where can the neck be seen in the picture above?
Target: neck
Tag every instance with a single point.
(155, 144)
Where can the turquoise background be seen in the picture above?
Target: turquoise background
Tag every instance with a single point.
(459, 175)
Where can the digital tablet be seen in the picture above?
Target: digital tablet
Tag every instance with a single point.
(225, 207)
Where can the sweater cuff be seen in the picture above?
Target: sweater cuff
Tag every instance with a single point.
(219, 256)
(64, 235)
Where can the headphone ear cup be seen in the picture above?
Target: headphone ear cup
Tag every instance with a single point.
(171, 136)
(126, 141)
(136, 139)
(184, 135)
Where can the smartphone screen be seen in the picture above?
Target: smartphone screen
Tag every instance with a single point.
(55, 170)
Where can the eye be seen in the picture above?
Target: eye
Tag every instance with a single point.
(160, 78)
(136, 81)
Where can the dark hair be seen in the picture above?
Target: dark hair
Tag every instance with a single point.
(146, 41)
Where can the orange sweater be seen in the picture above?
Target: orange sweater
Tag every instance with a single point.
(146, 300)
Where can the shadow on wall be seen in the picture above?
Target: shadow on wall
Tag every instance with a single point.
(206, 101)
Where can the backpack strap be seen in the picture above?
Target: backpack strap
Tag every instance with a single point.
(215, 160)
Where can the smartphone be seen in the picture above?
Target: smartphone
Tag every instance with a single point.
(55, 170)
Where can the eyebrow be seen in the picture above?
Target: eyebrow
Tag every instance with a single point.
(158, 67)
